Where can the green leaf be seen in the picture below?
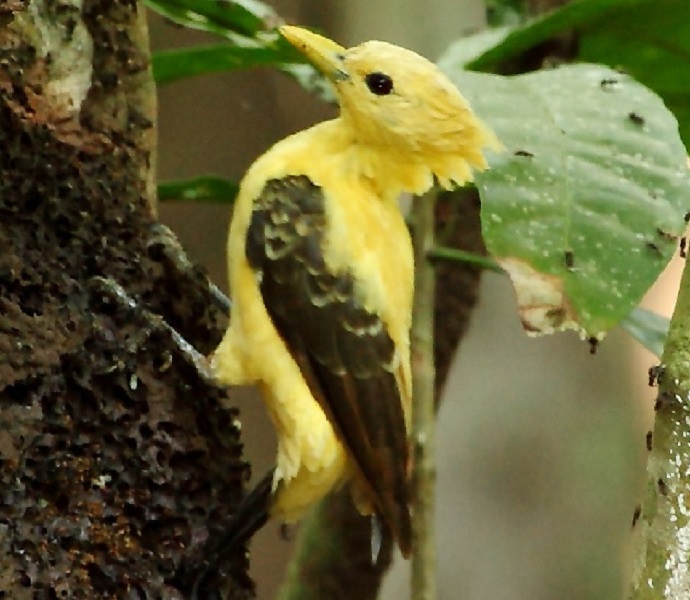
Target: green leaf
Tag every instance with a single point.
(249, 26)
(220, 17)
(171, 65)
(206, 188)
(576, 14)
(649, 39)
(652, 44)
(648, 328)
(585, 207)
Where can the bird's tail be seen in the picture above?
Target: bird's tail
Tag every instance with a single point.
(250, 516)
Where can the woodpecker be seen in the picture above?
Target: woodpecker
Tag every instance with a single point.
(321, 275)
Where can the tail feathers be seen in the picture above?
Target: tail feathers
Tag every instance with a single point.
(390, 514)
(250, 516)
(396, 513)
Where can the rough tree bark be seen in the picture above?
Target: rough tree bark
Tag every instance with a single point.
(114, 454)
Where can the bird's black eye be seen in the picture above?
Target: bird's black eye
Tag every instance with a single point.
(379, 83)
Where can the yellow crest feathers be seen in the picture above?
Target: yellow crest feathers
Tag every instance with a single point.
(421, 119)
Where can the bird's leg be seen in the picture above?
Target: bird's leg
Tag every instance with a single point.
(250, 516)
(163, 244)
(114, 291)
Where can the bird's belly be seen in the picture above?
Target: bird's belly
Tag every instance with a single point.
(311, 461)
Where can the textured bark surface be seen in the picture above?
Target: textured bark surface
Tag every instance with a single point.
(114, 454)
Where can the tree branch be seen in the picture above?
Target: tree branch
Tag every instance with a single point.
(664, 521)
(423, 581)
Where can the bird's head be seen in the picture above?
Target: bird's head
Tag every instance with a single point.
(399, 103)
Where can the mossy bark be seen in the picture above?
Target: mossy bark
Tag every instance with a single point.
(663, 520)
(114, 454)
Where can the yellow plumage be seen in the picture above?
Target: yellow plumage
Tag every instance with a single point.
(382, 144)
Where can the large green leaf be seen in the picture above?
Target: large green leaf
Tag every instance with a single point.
(171, 65)
(464, 51)
(576, 15)
(585, 207)
(652, 43)
(649, 39)
(248, 26)
(648, 328)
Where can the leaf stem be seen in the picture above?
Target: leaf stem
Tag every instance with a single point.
(453, 254)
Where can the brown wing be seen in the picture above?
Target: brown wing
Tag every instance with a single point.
(343, 350)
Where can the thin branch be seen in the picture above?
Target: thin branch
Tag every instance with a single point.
(423, 581)
(664, 518)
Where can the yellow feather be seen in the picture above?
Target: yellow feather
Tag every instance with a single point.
(377, 148)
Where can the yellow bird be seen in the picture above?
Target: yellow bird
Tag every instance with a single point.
(321, 274)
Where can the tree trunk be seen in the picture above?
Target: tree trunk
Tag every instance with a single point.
(115, 454)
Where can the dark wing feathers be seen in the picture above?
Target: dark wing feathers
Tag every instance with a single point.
(343, 350)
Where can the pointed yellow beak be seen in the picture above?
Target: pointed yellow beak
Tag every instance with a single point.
(324, 54)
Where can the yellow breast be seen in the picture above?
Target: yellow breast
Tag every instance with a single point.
(366, 235)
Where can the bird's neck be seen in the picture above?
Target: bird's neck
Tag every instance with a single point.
(383, 166)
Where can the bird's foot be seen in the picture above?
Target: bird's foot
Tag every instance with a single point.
(111, 291)
(163, 246)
